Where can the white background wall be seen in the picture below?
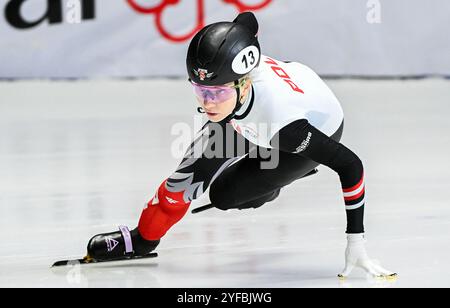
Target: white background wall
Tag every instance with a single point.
(335, 37)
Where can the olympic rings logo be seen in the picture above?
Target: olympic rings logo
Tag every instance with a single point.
(158, 11)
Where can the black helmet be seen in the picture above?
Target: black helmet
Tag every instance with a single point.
(224, 52)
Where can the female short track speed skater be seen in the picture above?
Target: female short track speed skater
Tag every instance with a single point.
(282, 109)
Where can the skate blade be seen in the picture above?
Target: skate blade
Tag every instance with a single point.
(391, 277)
(341, 277)
(89, 260)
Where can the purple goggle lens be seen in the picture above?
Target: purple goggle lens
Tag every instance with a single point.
(214, 94)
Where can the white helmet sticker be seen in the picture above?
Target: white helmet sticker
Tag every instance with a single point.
(246, 60)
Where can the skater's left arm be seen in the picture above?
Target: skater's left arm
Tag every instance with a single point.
(304, 139)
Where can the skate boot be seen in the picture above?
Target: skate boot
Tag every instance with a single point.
(119, 245)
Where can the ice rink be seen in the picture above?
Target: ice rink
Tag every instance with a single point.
(80, 158)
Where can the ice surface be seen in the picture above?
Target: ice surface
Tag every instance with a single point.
(79, 158)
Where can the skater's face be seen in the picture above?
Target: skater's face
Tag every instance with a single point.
(218, 102)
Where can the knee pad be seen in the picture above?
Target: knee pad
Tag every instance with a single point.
(163, 211)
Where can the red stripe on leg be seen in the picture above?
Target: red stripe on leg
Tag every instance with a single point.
(354, 187)
(355, 196)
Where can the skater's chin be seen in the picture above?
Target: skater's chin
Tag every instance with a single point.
(215, 117)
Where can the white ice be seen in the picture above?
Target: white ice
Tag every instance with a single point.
(80, 158)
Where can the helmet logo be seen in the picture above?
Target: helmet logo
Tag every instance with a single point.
(202, 74)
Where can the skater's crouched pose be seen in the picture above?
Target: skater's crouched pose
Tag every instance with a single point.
(288, 122)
